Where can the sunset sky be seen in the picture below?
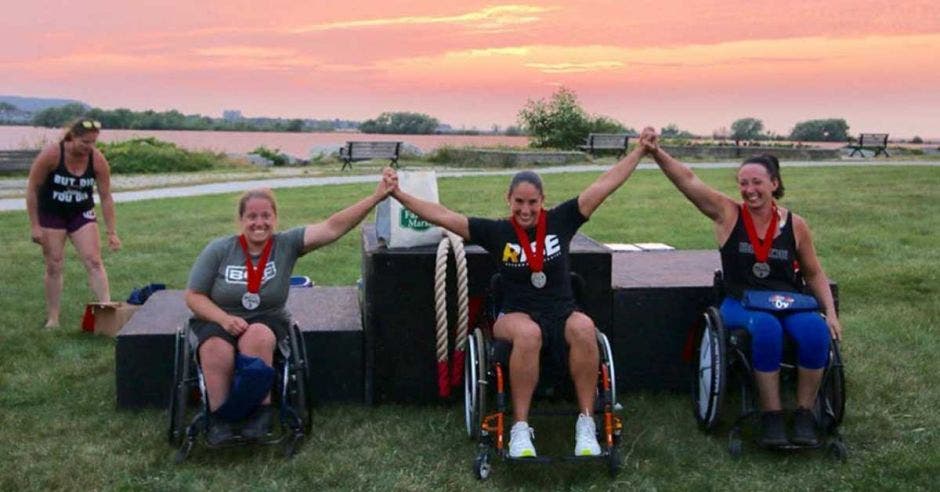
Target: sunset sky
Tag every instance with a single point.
(698, 64)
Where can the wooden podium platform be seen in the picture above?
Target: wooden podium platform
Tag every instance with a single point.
(328, 317)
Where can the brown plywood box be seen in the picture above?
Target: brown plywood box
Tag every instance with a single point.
(111, 316)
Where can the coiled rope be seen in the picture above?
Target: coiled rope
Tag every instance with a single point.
(446, 381)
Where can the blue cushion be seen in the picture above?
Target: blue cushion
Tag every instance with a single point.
(252, 382)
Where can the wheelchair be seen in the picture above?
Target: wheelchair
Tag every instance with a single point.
(724, 362)
(486, 379)
(290, 394)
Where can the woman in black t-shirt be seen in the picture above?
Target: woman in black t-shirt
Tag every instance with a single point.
(531, 250)
(60, 205)
(752, 262)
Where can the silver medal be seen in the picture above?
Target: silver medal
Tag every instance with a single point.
(251, 301)
(761, 269)
(538, 279)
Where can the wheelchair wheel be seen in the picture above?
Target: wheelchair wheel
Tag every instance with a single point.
(298, 391)
(711, 372)
(470, 375)
(607, 357)
(830, 404)
(613, 462)
(482, 466)
(179, 394)
(474, 385)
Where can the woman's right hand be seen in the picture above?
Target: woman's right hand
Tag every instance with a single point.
(234, 325)
(36, 232)
(389, 183)
(649, 140)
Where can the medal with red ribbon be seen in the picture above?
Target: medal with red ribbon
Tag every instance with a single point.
(252, 299)
(761, 268)
(535, 257)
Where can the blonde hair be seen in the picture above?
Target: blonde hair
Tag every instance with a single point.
(79, 127)
(263, 193)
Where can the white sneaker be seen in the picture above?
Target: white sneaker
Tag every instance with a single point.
(585, 443)
(520, 441)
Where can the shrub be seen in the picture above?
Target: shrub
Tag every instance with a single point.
(275, 156)
(827, 130)
(149, 155)
(561, 123)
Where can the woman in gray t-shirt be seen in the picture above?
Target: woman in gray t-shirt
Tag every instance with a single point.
(238, 289)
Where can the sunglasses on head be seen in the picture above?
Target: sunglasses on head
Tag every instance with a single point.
(89, 124)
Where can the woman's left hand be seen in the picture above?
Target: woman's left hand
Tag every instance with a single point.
(835, 328)
(388, 184)
(114, 242)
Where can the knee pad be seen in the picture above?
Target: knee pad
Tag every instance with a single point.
(252, 381)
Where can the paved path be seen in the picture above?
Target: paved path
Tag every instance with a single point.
(19, 203)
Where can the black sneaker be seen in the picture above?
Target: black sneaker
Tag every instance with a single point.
(259, 424)
(773, 432)
(220, 432)
(804, 428)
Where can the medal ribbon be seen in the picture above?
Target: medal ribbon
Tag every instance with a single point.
(761, 248)
(537, 257)
(255, 273)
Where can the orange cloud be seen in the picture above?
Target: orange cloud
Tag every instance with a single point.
(488, 18)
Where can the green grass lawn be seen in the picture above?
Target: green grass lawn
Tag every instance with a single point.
(875, 230)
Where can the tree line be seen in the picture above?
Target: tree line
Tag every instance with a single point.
(560, 122)
(122, 118)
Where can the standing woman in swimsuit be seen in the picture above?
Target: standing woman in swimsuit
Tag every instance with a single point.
(60, 205)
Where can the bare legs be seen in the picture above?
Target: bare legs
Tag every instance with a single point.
(88, 245)
(526, 338)
(217, 357)
(768, 386)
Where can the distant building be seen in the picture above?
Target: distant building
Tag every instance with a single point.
(232, 115)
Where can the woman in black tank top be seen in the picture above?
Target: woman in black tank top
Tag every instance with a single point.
(761, 245)
(60, 205)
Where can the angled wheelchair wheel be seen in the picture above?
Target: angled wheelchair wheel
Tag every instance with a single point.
(179, 394)
(711, 371)
(471, 374)
(607, 357)
(474, 383)
(830, 404)
(298, 390)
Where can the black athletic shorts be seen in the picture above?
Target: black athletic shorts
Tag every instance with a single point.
(205, 330)
(554, 345)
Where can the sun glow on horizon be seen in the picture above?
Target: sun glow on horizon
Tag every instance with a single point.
(686, 62)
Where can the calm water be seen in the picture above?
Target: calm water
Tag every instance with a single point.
(296, 144)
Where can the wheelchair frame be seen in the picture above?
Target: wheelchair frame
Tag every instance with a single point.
(724, 357)
(488, 427)
(290, 392)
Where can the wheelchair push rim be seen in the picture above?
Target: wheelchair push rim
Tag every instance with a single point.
(710, 372)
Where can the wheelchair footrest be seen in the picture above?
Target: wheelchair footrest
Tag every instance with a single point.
(544, 460)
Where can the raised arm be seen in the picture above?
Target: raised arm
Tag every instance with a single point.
(435, 213)
(103, 182)
(815, 277)
(715, 205)
(338, 224)
(607, 183)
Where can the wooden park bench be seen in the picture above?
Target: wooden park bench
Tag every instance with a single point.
(606, 141)
(874, 141)
(16, 160)
(364, 151)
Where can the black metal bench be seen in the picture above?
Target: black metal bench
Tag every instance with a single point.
(16, 160)
(874, 141)
(364, 151)
(606, 141)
